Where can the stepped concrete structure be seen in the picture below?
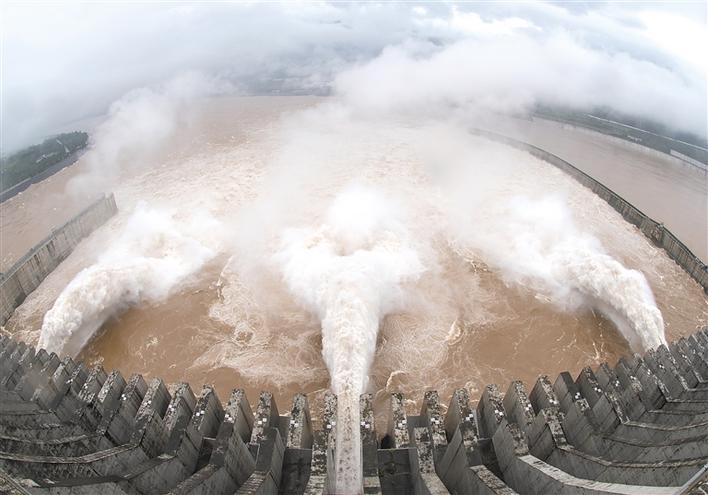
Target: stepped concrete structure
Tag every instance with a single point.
(639, 427)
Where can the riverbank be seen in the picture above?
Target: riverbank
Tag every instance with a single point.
(18, 188)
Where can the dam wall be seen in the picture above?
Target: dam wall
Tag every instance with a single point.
(29, 271)
(639, 427)
(655, 231)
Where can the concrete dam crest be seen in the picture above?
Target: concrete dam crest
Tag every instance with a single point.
(639, 427)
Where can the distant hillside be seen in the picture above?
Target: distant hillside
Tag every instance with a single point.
(36, 159)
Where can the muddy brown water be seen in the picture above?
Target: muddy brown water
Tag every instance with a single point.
(467, 328)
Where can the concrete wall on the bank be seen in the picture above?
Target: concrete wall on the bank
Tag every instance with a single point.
(659, 235)
(28, 272)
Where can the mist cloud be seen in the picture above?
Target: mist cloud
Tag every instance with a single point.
(65, 62)
(153, 255)
(514, 73)
(138, 125)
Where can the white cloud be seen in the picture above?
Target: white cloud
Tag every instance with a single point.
(682, 37)
(511, 73)
(65, 62)
(472, 23)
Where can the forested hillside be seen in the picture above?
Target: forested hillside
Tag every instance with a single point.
(36, 159)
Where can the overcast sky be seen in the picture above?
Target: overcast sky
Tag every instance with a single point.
(66, 61)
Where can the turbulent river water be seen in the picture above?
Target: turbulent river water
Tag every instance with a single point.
(275, 238)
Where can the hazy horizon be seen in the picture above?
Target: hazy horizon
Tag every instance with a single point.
(66, 62)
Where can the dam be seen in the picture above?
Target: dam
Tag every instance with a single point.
(349, 248)
(636, 428)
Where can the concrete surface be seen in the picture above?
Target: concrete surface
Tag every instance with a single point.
(638, 428)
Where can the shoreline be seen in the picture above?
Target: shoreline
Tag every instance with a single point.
(13, 191)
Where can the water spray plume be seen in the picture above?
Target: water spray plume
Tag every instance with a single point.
(538, 245)
(151, 257)
(350, 272)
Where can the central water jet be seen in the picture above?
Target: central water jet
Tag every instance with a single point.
(350, 272)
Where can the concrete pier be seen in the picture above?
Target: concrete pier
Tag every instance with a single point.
(639, 427)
